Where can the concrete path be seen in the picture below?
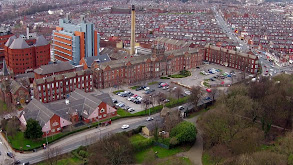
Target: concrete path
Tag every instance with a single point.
(195, 152)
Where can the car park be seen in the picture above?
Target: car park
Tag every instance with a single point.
(146, 88)
(125, 126)
(114, 101)
(139, 88)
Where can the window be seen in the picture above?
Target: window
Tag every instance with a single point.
(53, 130)
(102, 110)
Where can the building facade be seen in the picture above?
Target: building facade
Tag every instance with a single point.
(141, 68)
(72, 42)
(4, 36)
(22, 54)
(57, 87)
(13, 92)
(232, 59)
(171, 44)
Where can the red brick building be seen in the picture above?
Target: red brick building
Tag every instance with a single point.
(135, 69)
(22, 54)
(57, 87)
(231, 58)
(53, 69)
(4, 36)
(13, 92)
(78, 107)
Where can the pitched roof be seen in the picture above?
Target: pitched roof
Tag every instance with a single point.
(10, 40)
(99, 59)
(38, 111)
(53, 68)
(41, 41)
(106, 98)
(14, 86)
(19, 43)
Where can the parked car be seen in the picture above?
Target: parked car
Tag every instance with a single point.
(10, 154)
(27, 163)
(125, 126)
(131, 110)
(146, 88)
(139, 88)
(207, 98)
(166, 101)
(17, 162)
(149, 119)
(114, 101)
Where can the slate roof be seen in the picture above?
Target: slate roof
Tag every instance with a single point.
(106, 98)
(5, 71)
(79, 101)
(14, 86)
(99, 59)
(41, 41)
(19, 43)
(10, 40)
(38, 111)
(53, 68)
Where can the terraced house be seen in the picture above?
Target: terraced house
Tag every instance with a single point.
(139, 68)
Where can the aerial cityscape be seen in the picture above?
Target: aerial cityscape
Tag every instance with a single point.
(155, 82)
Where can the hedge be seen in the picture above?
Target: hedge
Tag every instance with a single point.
(177, 102)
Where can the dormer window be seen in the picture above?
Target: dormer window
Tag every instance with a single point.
(102, 110)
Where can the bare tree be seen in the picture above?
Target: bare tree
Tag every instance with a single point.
(196, 94)
(214, 92)
(52, 155)
(178, 91)
(114, 149)
(161, 97)
(146, 102)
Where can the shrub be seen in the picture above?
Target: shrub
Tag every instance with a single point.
(164, 78)
(184, 132)
(177, 102)
(141, 145)
(83, 153)
(173, 141)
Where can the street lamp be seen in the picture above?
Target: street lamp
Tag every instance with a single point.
(46, 134)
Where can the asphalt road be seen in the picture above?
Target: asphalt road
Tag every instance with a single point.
(84, 138)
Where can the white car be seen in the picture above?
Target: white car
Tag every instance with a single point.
(131, 110)
(180, 108)
(146, 88)
(125, 126)
(149, 119)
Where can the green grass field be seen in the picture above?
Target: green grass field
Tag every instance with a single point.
(19, 141)
(122, 112)
(69, 160)
(153, 83)
(136, 138)
(162, 152)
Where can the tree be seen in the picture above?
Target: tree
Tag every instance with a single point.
(113, 149)
(185, 132)
(52, 155)
(161, 97)
(12, 126)
(146, 102)
(195, 95)
(178, 91)
(214, 92)
(33, 130)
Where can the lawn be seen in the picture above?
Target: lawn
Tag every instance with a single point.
(69, 160)
(206, 159)
(122, 112)
(206, 84)
(118, 91)
(162, 152)
(134, 87)
(3, 106)
(173, 160)
(182, 74)
(136, 138)
(153, 83)
(152, 111)
(19, 141)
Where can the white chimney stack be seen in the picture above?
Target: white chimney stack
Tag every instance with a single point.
(27, 32)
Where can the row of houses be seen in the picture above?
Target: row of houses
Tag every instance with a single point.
(78, 107)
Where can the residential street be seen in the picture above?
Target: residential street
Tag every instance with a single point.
(82, 138)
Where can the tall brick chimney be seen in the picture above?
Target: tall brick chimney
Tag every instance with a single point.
(132, 40)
